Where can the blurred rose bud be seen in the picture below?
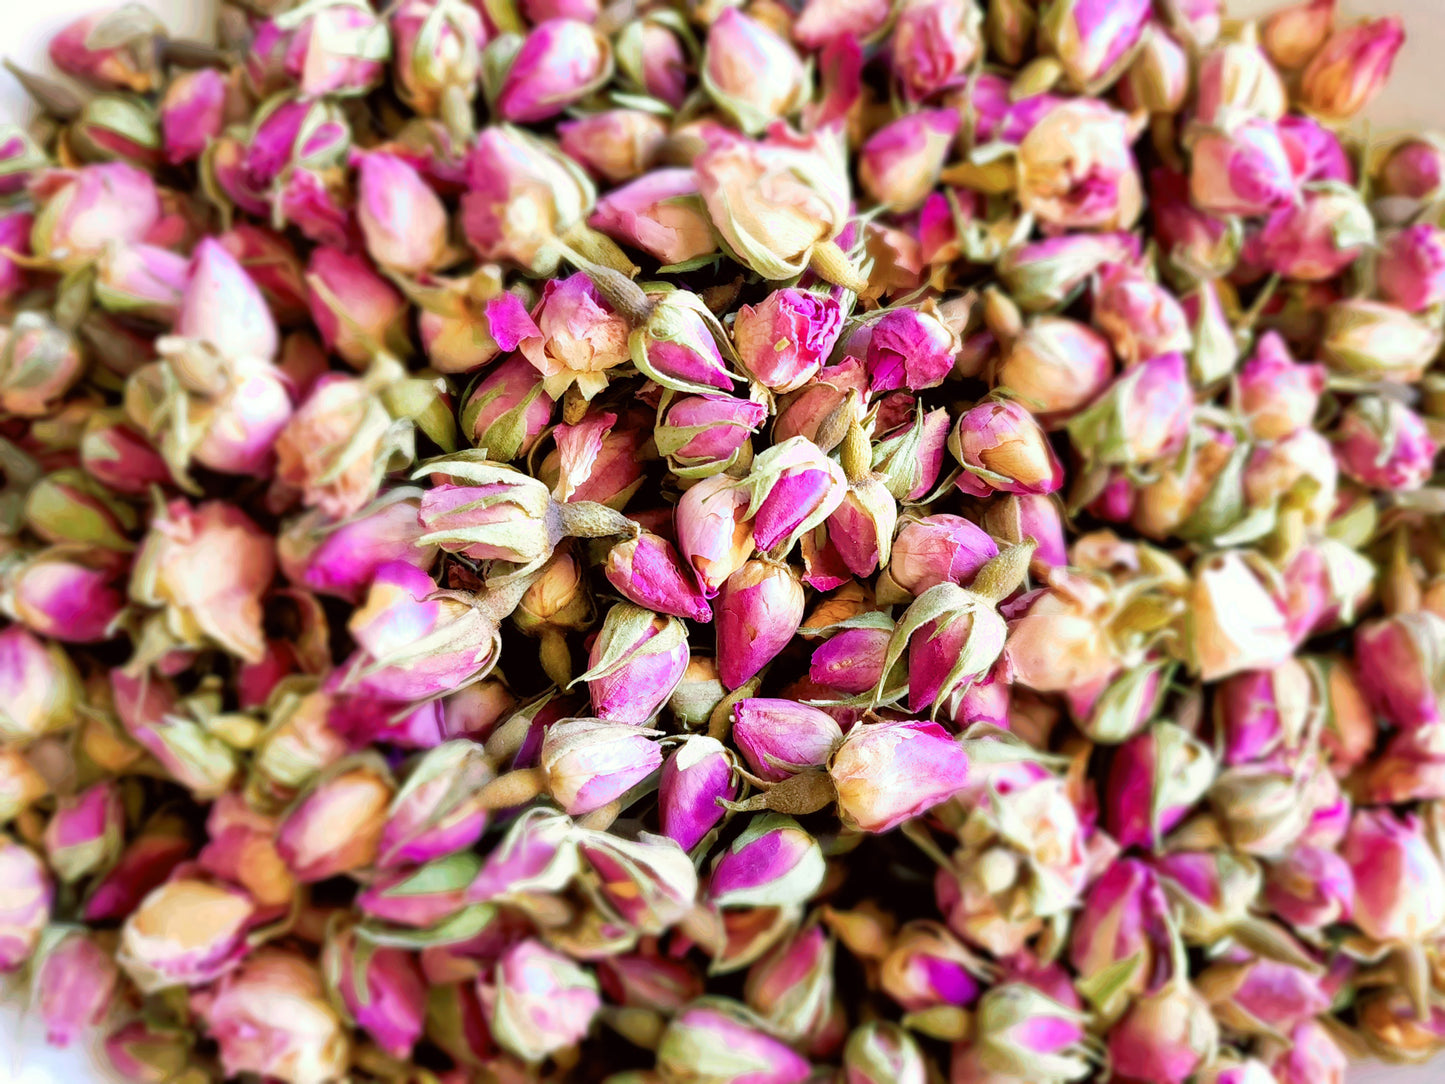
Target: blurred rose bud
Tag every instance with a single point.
(1292, 35)
(785, 339)
(539, 1002)
(83, 210)
(560, 62)
(382, 988)
(1041, 274)
(759, 610)
(15, 230)
(646, 980)
(1399, 878)
(900, 162)
(192, 113)
(792, 987)
(1003, 449)
(1236, 82)
(1166, 1036)
(1414, 169)
(402, 219)
(780, 738)
(648, 571)
(1055, 367)
(1411, 268)
(714, 532)
(591, 762)
(1143, 417)
(39, 363)
(616, 145)
(1311, 888)
(1154, 783)
(111, 128)
(1384, 444)
(1235, 623)
(717, 1039)
(871, 766)
(337, 446)
(1142, 319)
(25, 906)
(242, 849)
(1262, 996)
(1351, 68)
(649, 883)
(880, 1052)
(67, 592)
(185, 933)
(143, 281)
(337, 826)
(437, 49)
(223, 306)
(909, 348)
(1315, 152)
(1094, 44)
(677, 346)
(938, 549)
(273, 265)
(436, 811)
(635, 663)
(1023, 1031)
(1278, 395)
(1076, 169)
(118, 49)
(1393, 1025)
(341, 559)
(72, 985)
(338, 47)
(86, 832)
(1241, 171)
(1263, 712)
(1316, 237)
(1399, 665)
(652, 57)
(1374, 340)
(926, 966)
(934, 44)
(774, 863)
(1158, 79)
(752, 74)
(695, 776)
(1310, 1056)
(358, 313)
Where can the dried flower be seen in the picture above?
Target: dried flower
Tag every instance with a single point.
(1350, 68)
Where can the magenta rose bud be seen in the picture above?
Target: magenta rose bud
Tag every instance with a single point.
(1316, 237)
(752, 74)
(648, 571)
(714, 532)
(698, 773)
(383, 990)
(1141, 318)
(560, 62)
(795, 486)
(773, 863)
(900, 162)
(1041, 274)
(1414, 169)
(717, 1039)
(74, 980)
(508, 411)
(1411, 268)
(538, 1001)
(1312, 1057)
(111, 50)
(678, 345)
(1399, 878)
(143, 281)
(934, 44)
(909, 349)
(759, 610)
(591, 762)
(1311, 888)
(780, 738)
(1241, 171)
(1351, 68)
(888, 773)
(339, 48)
(851, 661)
(65, 594)
(1383, 444)
(1022, 1031)
(927, 966)
(910, 456)
(1398, 659)
(1276, 394)
(420, 896)
(1166, 1036)
(702, 435)
(1261, 712)
(1125, 917)
(436, 812)
(25, 906)
(635, 663)
(784, 340)
(403, 221)
(223, 306)
(15, 230)
(358, 313)
(939, 549)
(1003, 449)
(1155, 780)
(85, 832)
(660, 213)
(342, 559)
(192, 113)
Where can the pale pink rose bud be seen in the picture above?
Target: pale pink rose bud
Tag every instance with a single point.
(1317, 236)
(784, 340)
(1351, 68)
(508, 411)
(661, 213)
(649, 883)
(1143, 417)
(909, 348)
(1077, 169)
(851, 661)
(1125, 917)
(25, 906)
(358, 313)
(1041, 274)
(341, 559)
(714, 533)
(1159, 79)
(1154, 782)
(635, 663)
(538, 1002)
(591, 762)
(272, 1018)
(1055, 367)
(83, 210)
(207, 566)
(695, 776)
(1311, 1057)
(1241, 171)
(883, 1053)
(648, 571)
(702, 435)
(436, 812)
(382, 988)
(1003, 449)
(1236, 81)
(1093, 41)
(142, 281)
(504, 516)
(437, 51)
(242, 849)
(192, 113)
(822, 22)
(773, 863)
(1399, 662)
(927, 966)
(85, 832)
(337, 826)
(826, 405)
(115, 49)
(581, 337)
(759, 610)
(1413, 168)
(752, 74)
(402, 219)
(273, 265)
(1198, 245)
(616, 145)
(1020, 517)
(678, 345)
(652, 57)
(1292, 35)
(718, 1039)
(780, 738)
(1021, 1030)
(422, 896)
(537, 854)
(74, 980)
(1211, 892)
(39, 363)
(1411, 268)
(560, 63)
(185, 933)
(1165, 1037)
(1399, 878)
(336, 447)
(910, 456)
(339, 47)
(223, 306)
(1310, 888)
(792, 987)
(1235, 622)
(938, 549)
(888, 773)
(900, 162)
(1382, 443)
(1262, 996)
(1374, 340)
(1276, 394)
(934, 44)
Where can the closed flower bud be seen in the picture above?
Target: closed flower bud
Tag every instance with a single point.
(337, 827)
(661, 213)
(538, 1002)
(1401, 660)
(192, 113)
(716, 1040)
(873, 762)
(1018, 518)
(1292, 35)
(1158, 80)
(591, 762)
(774, 863)
(1377, 341)
(927, 967)
(242, 849)
(1210, 892)
(1022, 1031)
(1094, 44)
(649, 883)
(341, 559)
(1311, 1057)
(1002, 448)
(223, 306)
(701, 435)
(1384, 444)
(1041, 274)
(880, 1051)
(111, 127)
(559, 63)
(1235, 82)
(402, 219)
(74, 981)
(780, 738)
(792, 987)
(436, 812)
(39, 363)
(1310, 888)
(1235, 624)
(1277, 395)
(758, 612)
(909, 348)
(901, 162)
(1413, 169)
(1399, 878)
(678, 345)
(81, 211)
(437, 49)
(1076, 169)
(383, 990)
(752, 74)
(25, 907)
(144, 281)
(85, 832)
(714, 531)
(1055, 367)
(1155, 781)
(1351, 68)
(1316, 237)
(785, 339)
(938, 549)
(616, 145)
(1391, 1022)
(648, 571)
(1263, 712)
(1120, 940)
(1241, 171)
(65, 593)
(358, 313)
(1411, 268)
(910, 457)
(508, 412)
(635, 663)
(851, 661)
(1143, 417)
(501, 515)
(695, 776)
(185, 933)
(1166, 1036)
(1142, 319)
(934, 44)
(952, 638)
(111, 50)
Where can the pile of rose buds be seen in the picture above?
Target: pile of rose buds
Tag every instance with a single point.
(851, 542)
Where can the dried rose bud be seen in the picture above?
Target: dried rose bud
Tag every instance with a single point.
(1142, 319)
(1166, 1036)
(73, 982)
(910, 457)
(337, 826)
(1241, 171)
(1094, 45)
(111, 50)
(900, 163)
(1351, 68)
(1155, 780)
(402, 219)
(1414, 169)
(223, 306)
(339, 47)
(1158, 79)
(1316, 237)
(649, 883)
(1399, 663)
(648, 571)
(539, 1002)
(83, 210)
(661, 213)
(358, 313)
(1076, 169)
(1003, 449)
(68, 507)
(382, 988)
(1235, 623)
(1411, 268)
(1143, 417)
(1399, 878)
(560, 62)
(785, 339)
(1022, 1030)
(909, 348)
(792, 987)
(851, 661)
(1311, 1056)
(25, 908)
(649, 981)
(508, 412)
(1374, 340)
(111, 127)
(1018, 518)
(143, 281)
(635, 663)
(696, 775)
(1392, 1024)
(86, 832)
(242, 849)
(1041, 274)
(616, 145)
(702, 435)
(1262, 996)
(774, 863)
(934, 44)
(677, 346)
(780, 738)
(759, 610)
(1292, 35)
(714, 531)
(436, 812)
(1384, 444)
(927, 966)
(437, 50)
(1055, 367)
(1277, 395)
(591, 762)
(880, 1052)
(1311, 888)
(938, 549)
(185, 933)
(193, 113)
(888, 773)
(39, 363)
(581, 337)
(717, 1039)
(752, 75)
(1261, 712)
(66, 593)
(1120, 940)
(342, 559)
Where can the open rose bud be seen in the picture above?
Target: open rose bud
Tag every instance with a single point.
(935, 43)
(25, 907)
(272, 1017)
(784, 340)
(774, 863)
(591, 762)
(185, 933)
(342, 559)
(1166, 1036)
(717, 1039)
(1143, 417)
(1235, 623)
(81, 211)
(437, 811)
(758, 612)
(39, 686)
(714, 531)
(938, 549)
(437, 49)
(617, 145)
(1351, 68)
(888, 773)
(1399, 878)
(581, 337)
(85, 832)
(560, 62)
(900, 163)
(1241, 171)
(752, 74)
(337, 827)
(698, 773)
(677, 346)
(1094, 44)
(661, 213)
(1411, 268)
(1311, 888)
(74, 980)
(635, 663)
(402, 219)
(1384, 444)
(780, 738)
(538, 1002)
(909, 348)
(1315, 237)
(1155, 781)
(1277, 395)
(1262, 996)
(382, 988)
(1055, 367)
(1002, 448)
(1022, 1031)
(1401, 664)
(1076, 168)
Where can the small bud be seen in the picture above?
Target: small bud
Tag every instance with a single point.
(616, 145)
(581, 337)
(539, 1002)
(223, 306)
(1077, 171)
(192, 113)
(1351, 68)
(1292, 35)
(934, 45)
(1143, 417)
(1411, 268)
(1055, 367)
(714, 531)
(785, 339)
(560, 62)
(910, 457)
(1311, 888)
(774, 863)
(383, 990)
(1024, 1031)
(1094, 46)
(39, 363)
(938, 549)
(759, 610)
(358, 313)
(342, 559)
(1120, 940)
(437, 812)
(1235, 623)
(1158, 80)
(337, 827)
(1260, 713)
(1002, 448)
(85, 833)
(1236, 82)
(661, 213)
(185, 933)
(792, 987)
(677, 346)
(25, 908)
(1384, 444)
(1316, 237)
(780, 738)
(81, 211)
(752, 74)
(928, 967)
(591, 762)
(1311, 1057)
(888, 773)
(1042, 274)
(696, 775)
(909, 348)
(648, 571)
(402, 219)
(635, 663)
(1398, 661)
(649, 883)
(1399, 878)
(1166, 1036)
(1414, 169)
(438, 54)
(1155, 780)
(1377, 341)
(74, 980)
(716, 1039)
(702, 435)
(337, 48)
(900, 163)
(1278, 395)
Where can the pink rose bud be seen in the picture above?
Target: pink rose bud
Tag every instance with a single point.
(1094, 42)
(695, 776)
(185, 933)
(1293, 34)
(909, 348)
(1311, 888)
(939, 549)
(660, 213)
(1143, 417)
(752, 74)
(383, 990)
(336, 447)
(1056, 366)
(539, 1002)
(759, 610)
(952, 637)
(851, 661)
(73, 983)
(1166, 1036)
(1413, 169)
(272, 1018)
(784, 340)
(521, 192)
(1311, 1057)
(649, 981)
(403, 221)
(888, 773)
(1276, 394)
(1155, 781)
(780, 738)
(1197, 243)
(792, 987)
(822, 22)
(1019, 518)
(15, 230)
(436, 812)
(1411, 268)
(592, 762)
(142, 867)
(111, 128)
(1241, 171)
(1003, 449)
(337, 827)
(927, 967)
(581, 337)
(25, 908)
(223, 306)
(508, 411)
(1398, 659)
(437, 54)
(1262, 996)
(1041, 274)
(1262, 712)
(1384, 444)
(39, 363)
(1399, 878)
(1236, 81)
(342, 559)
(358, 313)
(67, 507)
(339, 47)
(117, 49)
(1023, 1031)
(1316, 237)
(1315, 152)
(880, 1052)
(714, 533)
(616, 145)
(273, 265)
(1142, 319)
(635, 663)
(900, 163)
(207, 566)
(1351, 68)
(1236, 624)
(242, 849)
(773, 863)
(1077, 168)
(1158, 80)
(86, 832)
(81, 211)
(468, 322)
(650, 883)
(502, 516)
(648, 571)
(717, 1039)
(561, 62)
(701, 435)
(678, 345)
(934, 45)
(421, 896)
(909, 457)
(1374, 340)
(1125, 917)
(143, 1052)
(142, 281)
(794, 487)
(192, 113)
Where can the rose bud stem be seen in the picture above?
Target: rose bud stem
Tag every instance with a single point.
(830, 263)
(56, 99)
(192, 54)
(599, 820)
(513, 789)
